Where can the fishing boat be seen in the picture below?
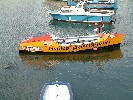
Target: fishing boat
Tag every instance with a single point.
(56, 91)
(99, 4)
(79, 13)
(52, 43)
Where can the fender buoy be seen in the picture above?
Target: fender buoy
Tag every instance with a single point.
(94, 48)
(94, 6)
(96, 24)
(105, 5)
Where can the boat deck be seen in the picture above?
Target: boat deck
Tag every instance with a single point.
(56, 92)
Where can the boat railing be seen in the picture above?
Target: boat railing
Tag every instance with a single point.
(59, 40)
(89, 36)
(101, 1)
(91, 11)
(87, 42)
(64, 44)
(100, 11)
(70, 40)
(78, 41)
(104, 12)
(88, 39)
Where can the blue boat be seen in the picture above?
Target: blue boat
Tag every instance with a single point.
(56, 91)
(79, 14)
(99, 4)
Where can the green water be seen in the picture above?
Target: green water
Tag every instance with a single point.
(106, 75)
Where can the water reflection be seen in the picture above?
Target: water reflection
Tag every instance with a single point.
(48, 61)
(77, 26)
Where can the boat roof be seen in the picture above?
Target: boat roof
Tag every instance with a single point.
(56, 91)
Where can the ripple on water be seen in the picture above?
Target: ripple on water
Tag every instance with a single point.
(102, 76)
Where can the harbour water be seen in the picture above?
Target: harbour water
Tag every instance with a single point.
(106, 75)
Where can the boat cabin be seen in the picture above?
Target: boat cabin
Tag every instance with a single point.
(77, 40)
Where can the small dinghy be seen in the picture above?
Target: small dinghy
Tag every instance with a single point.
(56, 91)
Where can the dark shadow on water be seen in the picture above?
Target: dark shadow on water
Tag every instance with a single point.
(74, 25)
(50, 60)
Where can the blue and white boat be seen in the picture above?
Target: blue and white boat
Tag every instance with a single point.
(99, 4)
(79, 14)
(56, 91)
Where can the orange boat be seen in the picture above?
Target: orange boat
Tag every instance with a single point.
(51, 43)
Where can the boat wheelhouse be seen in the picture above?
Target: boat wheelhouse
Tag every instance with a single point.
(79, 14)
